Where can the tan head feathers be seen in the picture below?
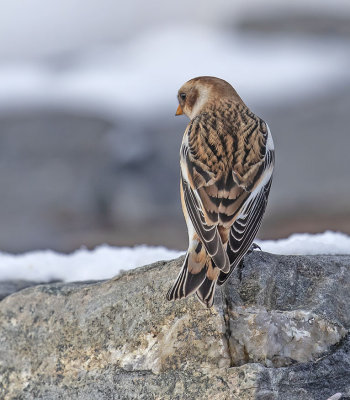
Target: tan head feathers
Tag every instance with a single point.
(196, 94)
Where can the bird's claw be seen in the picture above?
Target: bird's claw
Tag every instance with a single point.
(253, 247)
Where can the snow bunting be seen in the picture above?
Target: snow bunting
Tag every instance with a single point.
(227, 160)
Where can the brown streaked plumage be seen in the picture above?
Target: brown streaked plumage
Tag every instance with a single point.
(227, 160)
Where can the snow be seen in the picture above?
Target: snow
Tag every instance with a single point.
(66, 25)
(143, 74)
(101, 263)
(106, 261)
(304, 243)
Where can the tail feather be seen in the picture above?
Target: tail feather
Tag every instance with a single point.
(206, 291)
(203, 282)
(186, 282)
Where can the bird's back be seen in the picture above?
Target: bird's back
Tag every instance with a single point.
(227, 146)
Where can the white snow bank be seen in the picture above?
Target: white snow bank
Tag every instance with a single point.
(305, 243)
(107, 261)
(101, 263)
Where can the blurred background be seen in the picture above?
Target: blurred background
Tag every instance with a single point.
(89, 144)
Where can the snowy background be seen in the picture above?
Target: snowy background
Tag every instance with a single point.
(88, 139)
(105, 261)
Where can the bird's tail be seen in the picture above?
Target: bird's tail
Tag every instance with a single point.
(206, 290)
(198, 274)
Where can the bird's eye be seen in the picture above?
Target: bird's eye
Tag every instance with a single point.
(182, 96)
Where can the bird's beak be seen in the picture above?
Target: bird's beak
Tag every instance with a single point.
(179, 111)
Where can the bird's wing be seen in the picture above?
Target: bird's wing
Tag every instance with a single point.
(245, 228)
(208, 233)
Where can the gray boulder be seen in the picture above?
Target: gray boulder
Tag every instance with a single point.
(10, 286)
(278, 330)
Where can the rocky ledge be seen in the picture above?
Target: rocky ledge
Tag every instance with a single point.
(278, 330)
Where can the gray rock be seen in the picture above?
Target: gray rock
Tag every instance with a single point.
(11, 286)
(278, 330)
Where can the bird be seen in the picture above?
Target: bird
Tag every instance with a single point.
(226, 161)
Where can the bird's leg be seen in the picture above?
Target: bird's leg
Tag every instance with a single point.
(253, 247)
(240, 267)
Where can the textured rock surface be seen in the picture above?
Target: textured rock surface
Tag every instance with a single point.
(11, 286)
(279, 330)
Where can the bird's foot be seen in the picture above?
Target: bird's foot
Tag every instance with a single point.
(253, 247)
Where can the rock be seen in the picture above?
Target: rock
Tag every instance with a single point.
(11, 286)
(278, 330)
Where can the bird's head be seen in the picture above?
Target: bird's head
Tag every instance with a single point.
(198, 93)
